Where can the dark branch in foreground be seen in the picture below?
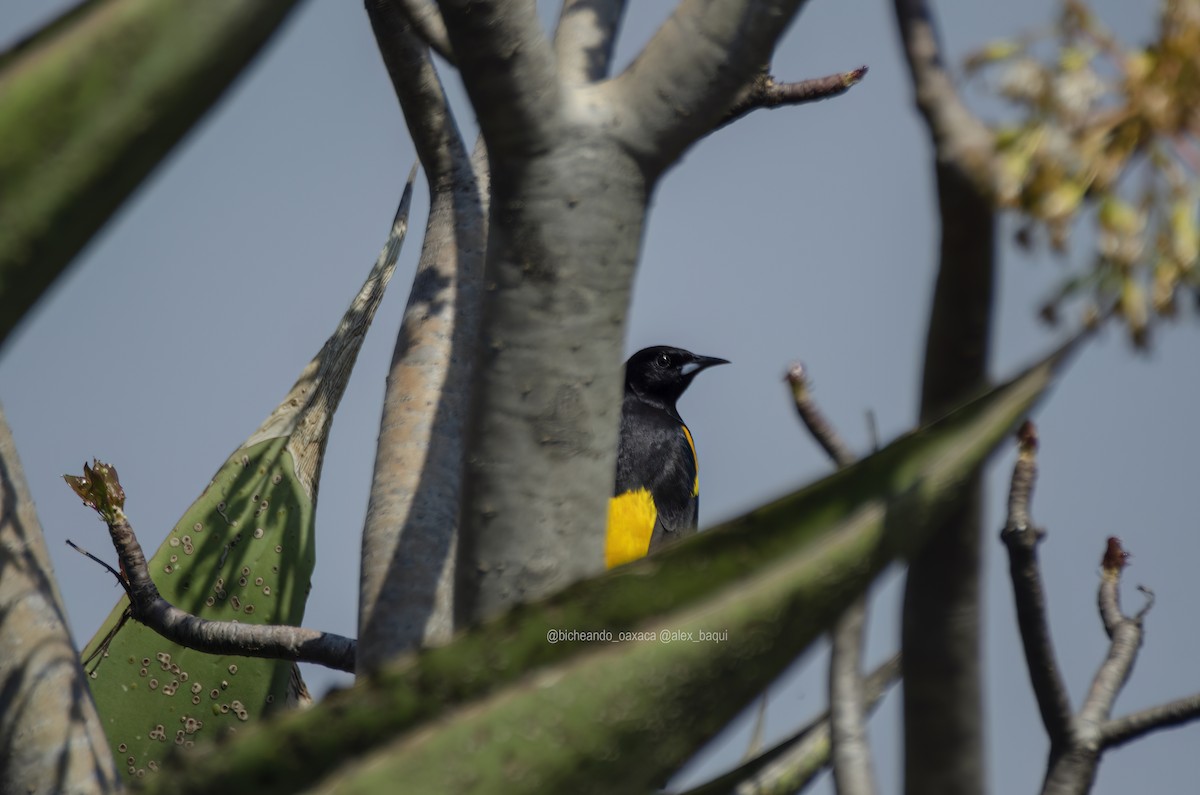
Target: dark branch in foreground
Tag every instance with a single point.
(101, 490)
(765, 92)
(1077, 741)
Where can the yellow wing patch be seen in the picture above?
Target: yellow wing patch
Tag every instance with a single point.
(695, 461)
(630, 524)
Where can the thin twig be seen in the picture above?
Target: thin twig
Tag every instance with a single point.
(101, 490)
(1127, 728)
(764, 92)
(120, 577)
(1021, 539)
(873, 430)
(812, 417)
(1125, 633)
(790, 764)
(754, 746)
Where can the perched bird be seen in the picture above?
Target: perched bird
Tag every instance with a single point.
(657, 491)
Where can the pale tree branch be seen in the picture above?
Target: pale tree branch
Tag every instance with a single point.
(1077, 741)
(766, 93)
(959, 136)
(426, 22)
(410, 534)
(791, 764)
(1125, 634)
(848, 703)
(509, 71)
(693, 70)
(51, 739)
(943, 697)
(586, 37)
(1073, 765)
(1127, 728)
(101, 490)
(1021, 539)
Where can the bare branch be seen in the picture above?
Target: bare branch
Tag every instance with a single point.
(426, 22)
(814, 420)
(1125, 729)
(509, 72)
(410, 534)
(694, 68)
(1125, 633)
(1109, 598)
(1073, 764)
(764, 92)
(848, 705)
(959, 136)
(1021, 539)
(585, 38)
(792, 763)
(124, 583)
(850, 754)
(101, 490)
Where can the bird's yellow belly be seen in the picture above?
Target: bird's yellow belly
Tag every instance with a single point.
(631, 519)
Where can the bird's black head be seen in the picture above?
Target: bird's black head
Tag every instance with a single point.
(661, 373)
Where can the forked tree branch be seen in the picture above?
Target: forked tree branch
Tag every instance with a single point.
(426, 22)
(1077, 741)
(100, 489)
(693, 70)
(509, 71)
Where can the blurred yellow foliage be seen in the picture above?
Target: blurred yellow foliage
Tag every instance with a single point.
(1106, 133)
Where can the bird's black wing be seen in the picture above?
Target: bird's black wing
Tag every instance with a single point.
(656, 453)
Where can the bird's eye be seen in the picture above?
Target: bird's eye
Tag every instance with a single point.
(663, 360)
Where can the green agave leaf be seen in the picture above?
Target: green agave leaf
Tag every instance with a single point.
(243, 551)
(603, 716)
(90, 105)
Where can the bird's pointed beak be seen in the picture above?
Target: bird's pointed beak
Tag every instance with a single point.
(701, 363)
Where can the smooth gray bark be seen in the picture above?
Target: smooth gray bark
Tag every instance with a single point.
(572, 167)
(51, 740)
(409, 540)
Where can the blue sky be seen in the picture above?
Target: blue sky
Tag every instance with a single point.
(798, 233)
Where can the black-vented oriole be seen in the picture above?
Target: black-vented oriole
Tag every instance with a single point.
(657, 493)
